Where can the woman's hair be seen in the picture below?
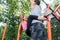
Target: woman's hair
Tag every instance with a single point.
(37, 2)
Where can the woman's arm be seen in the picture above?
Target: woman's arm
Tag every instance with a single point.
(33, 17)
(30, 18)
(29, 21)
(21, 17)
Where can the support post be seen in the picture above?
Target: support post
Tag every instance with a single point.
(49, 25)
(19, 28)
(4, 32)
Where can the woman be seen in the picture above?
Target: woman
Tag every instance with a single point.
(36, 27)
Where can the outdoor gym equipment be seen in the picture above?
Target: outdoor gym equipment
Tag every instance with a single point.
(54, 11)
(49, 23)
(48, 19)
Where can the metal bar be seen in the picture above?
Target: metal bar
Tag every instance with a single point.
(19, 28)
(4, 32)
(49, 26)
(56, 16)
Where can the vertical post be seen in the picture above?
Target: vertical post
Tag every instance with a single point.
(49, 26)
(4, 32)
(19, 28)
(18, 36)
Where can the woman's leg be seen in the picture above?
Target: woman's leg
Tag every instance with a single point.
(38, 32)
(30, 18)
(29, 21)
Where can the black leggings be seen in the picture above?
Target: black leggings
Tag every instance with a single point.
(38, 31)
(29, 21)
(30, 18)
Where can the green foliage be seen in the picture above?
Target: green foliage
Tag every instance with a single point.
(1, 31)
(9, 15)
(25, 7)
(55, 29)
(24, 36)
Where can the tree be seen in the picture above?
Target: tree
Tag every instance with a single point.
(9, 14)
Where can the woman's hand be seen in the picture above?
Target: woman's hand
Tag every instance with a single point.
(21, 17)
(41, 18)
(25, 18)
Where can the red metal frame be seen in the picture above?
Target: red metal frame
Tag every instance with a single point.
(48, 22)
(4, 32)
(49, 25)
(19, 28)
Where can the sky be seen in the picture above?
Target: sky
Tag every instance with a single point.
(47, 1)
